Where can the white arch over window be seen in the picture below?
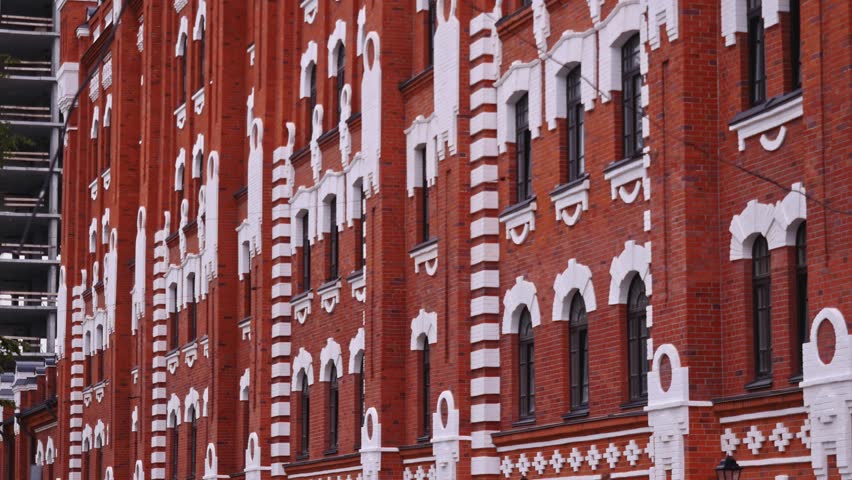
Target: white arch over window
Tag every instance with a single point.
(576, 279)
(96, 115)
(622, 23)
(200, 20)
(734, 19)
(633, 260)
(100, 434)
(245, 383)
(356, 351)
(139, 471)
(191, 401)
(197, 156)
(183, 34)
(93, 235)
(330, 355)
(356, 187)
(39, 454)
(173, 416)
(519, 79)
(87, 437)
(49, 452)
(303, 363)
(337, 37)
(571, 50)
(332, 183)
(108, 474)
(778, 223)
(424, 327)
(303, 203)
(180, 165)
(521, 295)
(108, 111)
(309, 59)
(419, 136)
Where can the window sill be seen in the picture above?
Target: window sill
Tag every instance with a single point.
(769, 115)
(519, 220)
(424, 440)
(302, 306)
(180, 116)
(358, 283)
(524, 422)
(579, 412)
(628, 176)
(796, 379)
(573, 195)
(330, 451)
(173, 360)
(245, 328)
(633, 404)
(329, 293)
(425, 254)
(759, 384)
(198, 101)
(106, 178)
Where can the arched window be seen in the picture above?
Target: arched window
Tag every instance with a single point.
(361, 233)
(523, 153)
(304, 418)
(98, 350)
(801, 291)
(192, 307)
(579, 341)
(333, 247)
(333, 402)
(201, 51)
(175, 447)
(312, 96)
(89, 354)
(340, 79)
(637, 340)
(756, 52)
(193, 442)
(631, 90)
(306, 253)
(425, 390)
(526, 366)
(762, 305)
(183, 70)
(360, 388)
(99, 459)
(576, 129)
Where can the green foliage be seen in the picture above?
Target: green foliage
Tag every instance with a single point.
(9, 141)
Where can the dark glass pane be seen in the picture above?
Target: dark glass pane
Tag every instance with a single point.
(426, 369)
(637, 340)
(576, 133)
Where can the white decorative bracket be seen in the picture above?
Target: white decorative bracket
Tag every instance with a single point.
(767, 121)
(198, 101)
(570, 202)
(358, 283)
(329, 295)
(519, 222)
(628, 178)
(180, 116)
(426, 256)
(302, 307)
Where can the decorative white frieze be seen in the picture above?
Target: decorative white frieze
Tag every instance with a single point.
(770, 119)
(570, 201)
(329, 295)
(519, 79)
(179, 4)
(106, 74)
(95, 86)
(519, 221)
(67, 84)
(628, 177)
(302, 306)
(426, 256)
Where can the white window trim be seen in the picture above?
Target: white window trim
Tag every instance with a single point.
(624, 22)
(571, 50)
(521, 78)
(633, 260)
(522, 294)
(337, 37)
(330, 354)
(777, 223)
(424, 328)
(576, 279)
(419, 135)
(309, 57)
(303, 363)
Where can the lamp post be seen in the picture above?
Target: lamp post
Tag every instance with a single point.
(728, 469)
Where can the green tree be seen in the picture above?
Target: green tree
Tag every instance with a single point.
(9, 141)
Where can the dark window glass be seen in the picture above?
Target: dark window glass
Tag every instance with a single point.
(174, 338)
(107, 146)
(430, 31)
(333, 402)
(762, 304)
(425, 234)
(576, 130)
(523, 154)
(201, 51)
(801, 290)
(333, 240)
(99, 463)
(192, 309)
(795, 43)
(756, 53)
(175, 447)
(579, 338)
(526, 366)
(361, 400)
(183, 71)
(193, 442)
(631, 88)
(86, 473)
(306, 254)
(100, 359)
(361, 233)
(637, 340)
(305, 418)
(312, 97)
(88, 370)
(341, 77)
(425, 389)
(247, 293)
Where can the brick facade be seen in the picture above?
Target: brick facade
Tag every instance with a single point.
(202, 164)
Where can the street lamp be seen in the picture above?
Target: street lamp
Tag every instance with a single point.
(728, 469)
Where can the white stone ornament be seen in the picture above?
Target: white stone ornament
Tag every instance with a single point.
(575, 459)
(729, 442)
(345, 138)
(523, 464)
(556, 461)
(754, 439)
(371, 445)
(804, 434)
(611, 455)
(541, 25)
(539, 463)
(780, 437)
(506, 466)
(446, 78)
(316, 132)
(593, 457)
(371, 111)
(632, 452)
(445, 438)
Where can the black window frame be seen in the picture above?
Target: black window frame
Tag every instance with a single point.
(333, 410)
(192, 309)
(631, 97)
(523, 150)
(756, 38)
(637, 341)
(425, 391)
(361, 233)
(578, 334)
(761, 285)
(193, 442)
(360, 391)
(340, 78)
(312, 97)
(802, 318)
(575, 116)
(184, 69)
(306, 252)
(175, 460)
(425, 225)
(795, 44)
(333, 249)
(304, 418)
(526, 366)
(174, 320)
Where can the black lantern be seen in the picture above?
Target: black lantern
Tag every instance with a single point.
(728, 469)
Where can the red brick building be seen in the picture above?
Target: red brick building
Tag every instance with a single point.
(455, 239)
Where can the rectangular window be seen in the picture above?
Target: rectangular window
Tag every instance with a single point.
(631, 89)
(174, 320)
(762, 304)
(523, 153)
(425, 393)
(361, 233)
(333, 401)
(425, 234)
(333, 239)
(305, 419)
(801, 292)
(193, 443)
(247, 294)
(201, 50)
(430, 32)
(183, 71)
(576, 130)
(637, 340)
(192, 309)
(306, 254)
(756, 53)
(312, 97)
(340, 79)
(795, 44)
(579, 337)
(175, 450)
